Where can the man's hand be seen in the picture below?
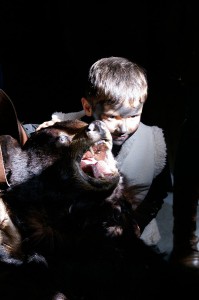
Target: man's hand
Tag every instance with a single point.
(46, 124)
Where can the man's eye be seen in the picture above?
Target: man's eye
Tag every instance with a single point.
(134, 116)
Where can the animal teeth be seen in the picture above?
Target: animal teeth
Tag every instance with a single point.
(91, 150)
(100, 142)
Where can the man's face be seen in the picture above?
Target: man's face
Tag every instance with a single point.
(122, 122)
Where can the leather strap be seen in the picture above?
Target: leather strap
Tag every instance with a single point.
(3, 179)
(9, 125)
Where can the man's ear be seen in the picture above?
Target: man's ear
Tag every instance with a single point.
(87, 107)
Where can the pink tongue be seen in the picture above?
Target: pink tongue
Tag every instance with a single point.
(86, 164)
(101, 169)
(98, 168)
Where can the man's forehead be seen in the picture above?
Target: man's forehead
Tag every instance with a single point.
(123, 110)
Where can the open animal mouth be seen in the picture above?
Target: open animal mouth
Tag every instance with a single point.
(98, 161)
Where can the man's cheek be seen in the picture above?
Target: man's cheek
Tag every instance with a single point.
(133, 129)
(109, 126)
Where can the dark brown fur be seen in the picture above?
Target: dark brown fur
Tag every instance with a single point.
(55, 215)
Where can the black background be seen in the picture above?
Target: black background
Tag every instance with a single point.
(47, 47)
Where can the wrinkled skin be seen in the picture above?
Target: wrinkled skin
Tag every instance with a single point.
(63, 210)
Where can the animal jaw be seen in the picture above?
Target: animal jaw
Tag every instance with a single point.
(59, 170)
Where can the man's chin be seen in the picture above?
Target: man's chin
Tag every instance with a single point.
(118, 142)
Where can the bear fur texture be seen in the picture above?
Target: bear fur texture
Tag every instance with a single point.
(66, 230)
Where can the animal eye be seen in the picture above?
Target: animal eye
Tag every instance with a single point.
(64, 139)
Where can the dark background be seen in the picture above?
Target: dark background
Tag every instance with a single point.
(47, 47)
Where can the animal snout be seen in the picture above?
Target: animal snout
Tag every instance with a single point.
(98, 126)
(97, 130)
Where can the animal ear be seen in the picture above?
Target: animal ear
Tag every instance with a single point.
(9, 123)
(8, 148)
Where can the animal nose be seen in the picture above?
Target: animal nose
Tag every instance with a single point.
(97, 130)
(98, 126)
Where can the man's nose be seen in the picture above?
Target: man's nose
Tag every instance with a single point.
(123, 126)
